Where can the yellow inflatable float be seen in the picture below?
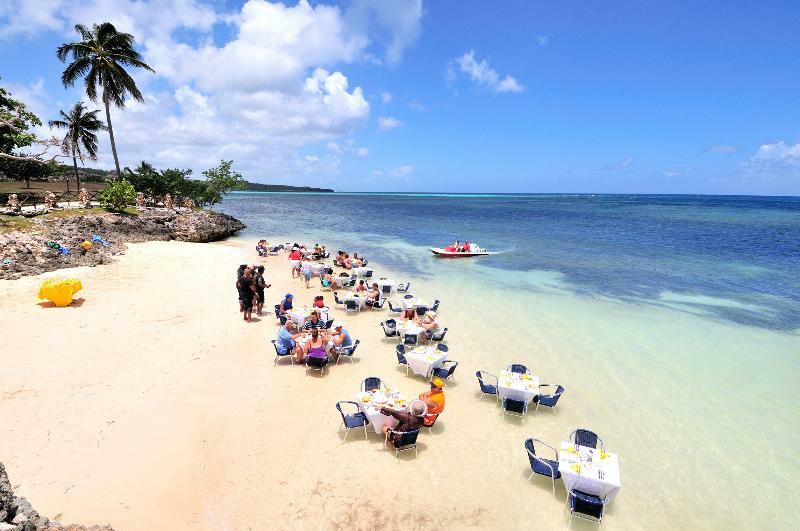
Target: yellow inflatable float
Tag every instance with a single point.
(60, 290)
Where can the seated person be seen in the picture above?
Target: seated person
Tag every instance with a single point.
(339, 260)
(434, 399)
(261, 248)
(319, 301)
(339, 339)
(467, 247)
(286, 303)
(315, 350)
(346, 262)
(287, 340)
(313, 322)
(357, 262)
(429, 323)
(409, 421)
(373, 296)
(361, 287)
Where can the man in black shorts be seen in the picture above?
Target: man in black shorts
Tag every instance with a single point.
(246, 293)
(260, 284)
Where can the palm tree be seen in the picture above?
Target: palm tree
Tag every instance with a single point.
(101, 56)
(81, 126)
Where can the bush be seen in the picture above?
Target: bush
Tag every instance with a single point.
(118, 194)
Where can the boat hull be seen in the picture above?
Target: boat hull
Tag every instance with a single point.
(441, 253)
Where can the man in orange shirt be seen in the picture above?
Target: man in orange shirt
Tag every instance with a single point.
(434, 399)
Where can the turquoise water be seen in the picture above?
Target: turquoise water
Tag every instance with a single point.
(672, 321)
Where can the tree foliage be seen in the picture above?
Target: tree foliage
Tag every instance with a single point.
(222, 180)
(118, 194)
(80, 141)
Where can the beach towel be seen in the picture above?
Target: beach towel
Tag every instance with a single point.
(101, 241)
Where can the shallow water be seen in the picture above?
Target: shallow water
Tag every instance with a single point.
(672, 322)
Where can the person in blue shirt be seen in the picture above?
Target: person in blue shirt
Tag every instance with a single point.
(286, 303)
(340, 338)
(286, 340)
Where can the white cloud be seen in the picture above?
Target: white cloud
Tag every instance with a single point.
(483, 75)
(403, 171)
(778, 152)
(386, 98)
(387, 123)
(271, 89)
(774, 162)
(619, 165)
(722, 148)
(377, 173)
(542, 40)
(417, 106)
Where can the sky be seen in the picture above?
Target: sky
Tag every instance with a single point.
(618, 96)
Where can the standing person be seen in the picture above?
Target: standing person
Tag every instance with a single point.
(294, 258)
(246, 293)
(307, 271)
(260, 284)
(239, 273)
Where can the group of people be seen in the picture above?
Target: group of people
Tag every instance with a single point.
(319, 344)
(458, 247)
(344, 260)
(250, 286)
(429, 322)
(421, 412)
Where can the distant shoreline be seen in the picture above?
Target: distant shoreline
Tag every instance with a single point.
(316, 191)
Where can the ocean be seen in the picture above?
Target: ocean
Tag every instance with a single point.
(672, 321)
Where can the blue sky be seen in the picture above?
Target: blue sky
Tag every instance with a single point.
(514, 96)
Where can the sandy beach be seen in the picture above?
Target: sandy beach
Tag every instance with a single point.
(150, 404)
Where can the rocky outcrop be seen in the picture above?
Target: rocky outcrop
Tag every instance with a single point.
(40, 246)
(17, 514)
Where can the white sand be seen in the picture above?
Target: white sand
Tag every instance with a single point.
(152, 405)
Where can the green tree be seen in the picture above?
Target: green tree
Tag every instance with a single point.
(15, 135)
(220, 181)
(81, 138)
(100, 57)
(117, 195)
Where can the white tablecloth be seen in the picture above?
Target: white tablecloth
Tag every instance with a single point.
(517, 386)
(316, 268)
(588, 472)
(355, 297)
(371, 409)
(387, 282)
(299, 314)
(414, 302)
(422, 360)
(408, 327)
(362, 271)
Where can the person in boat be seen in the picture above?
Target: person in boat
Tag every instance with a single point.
(467, 246)
(434, 399)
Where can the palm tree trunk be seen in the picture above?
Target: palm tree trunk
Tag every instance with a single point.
(77, 177)
(111, 134)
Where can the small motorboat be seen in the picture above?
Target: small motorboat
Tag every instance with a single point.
(449, 252)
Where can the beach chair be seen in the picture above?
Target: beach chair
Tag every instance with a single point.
(514, 407)
(435, 306)
(368, 272)
(442, 348)
(328, 324)
(548, 400)
(400, 350)
(277, 311)
(410, 339)
(353, 420)
(351, 306)
(406, 440)
(421, 310)
(488, 383)
(336, 298)
(540, 465)
(587, 438)
(322, 286)
(386, 289)
(445, 372)
(316, 364)
(278, 354)
(375, 304)
(403, 288)
(586, 506)
(395, 309)
(347, 352)
(432, 422)
(409, 296)
(518, 368)
(373, 382)
(389, 327)
(283, 319)
(439, 336)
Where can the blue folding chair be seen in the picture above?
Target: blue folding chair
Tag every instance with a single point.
(514, 407)
(518, 368)
(487, 388)
(395, 309)
(278, 354)
(439, 336)
(410, 339)
(586, 506)
(540, 465)
(548, 400)
(447, 369)
(389, 327)
(587, 438)
(442, 347)
(406, 440)
(373, 382)
(353, 420)
(347, 352)
(401, 356)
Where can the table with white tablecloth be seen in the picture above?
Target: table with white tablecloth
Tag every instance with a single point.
(422, 360)
(517, 386)
(316, 269)
(408, 327)
(589, 470)
(386, 286)
(370, 403)
(359, 300)
(299, 314)
(362, 271)
(414, 302)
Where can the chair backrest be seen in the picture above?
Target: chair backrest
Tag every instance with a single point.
(406, 438)
(583, 437)
(482, 377)
(410, 339)
(515, 406)
(336, 298)
(401, 354)
(440, 335)
(441, 347)
(435, 306)
(350, 305)
(316, 363)
(421, 310)
(518, 368)
(328, 324)
(404, 287)
(551, 400)
(409, 296)
(386, 289)
(452, 367)
(395, 308)
(531, 451)
(368, 273)
(373, 382)
(586, 504)
(278, 352)
(277, 310)
(391, 323)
